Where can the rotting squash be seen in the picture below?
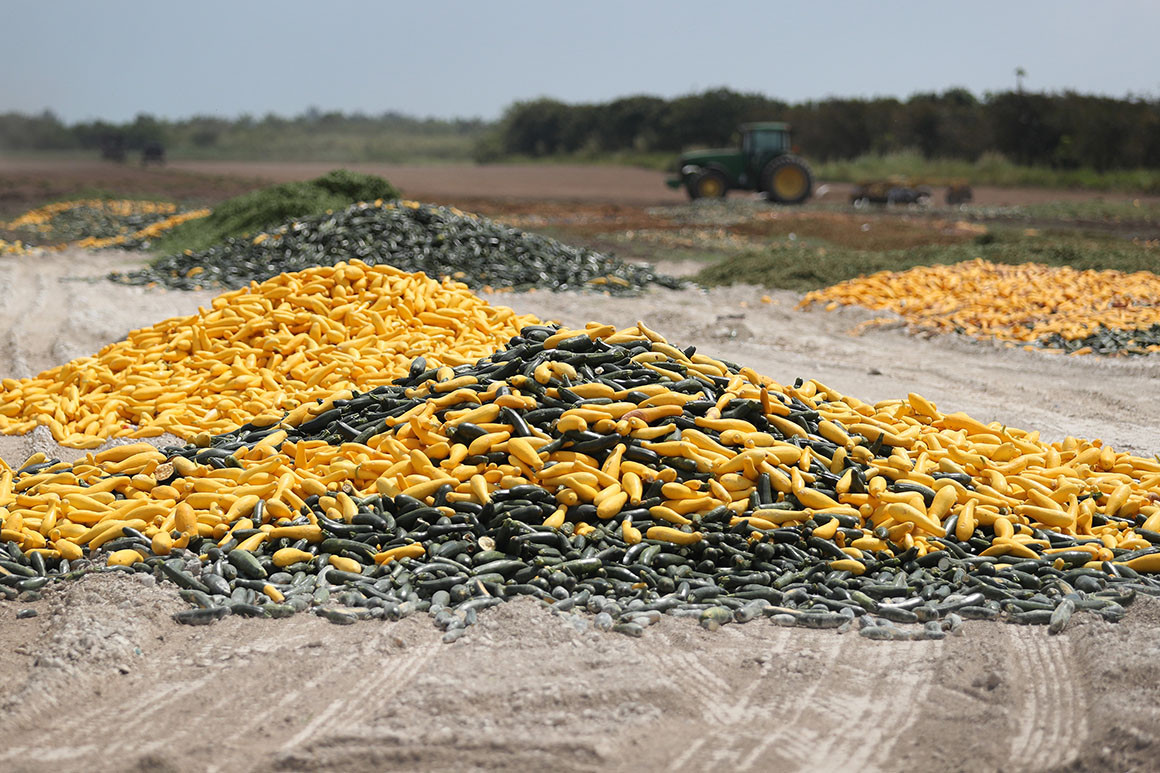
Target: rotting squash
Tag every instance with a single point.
(413, 496)
(1054, 309)
(98, 223)
(257, 352)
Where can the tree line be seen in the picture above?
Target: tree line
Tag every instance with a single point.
(1065, 130)
(1061, 130)
(356, 135)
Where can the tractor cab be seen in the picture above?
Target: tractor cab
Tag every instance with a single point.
(761, 138)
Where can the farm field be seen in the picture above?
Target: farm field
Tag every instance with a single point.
(525, 688)
(32, 180)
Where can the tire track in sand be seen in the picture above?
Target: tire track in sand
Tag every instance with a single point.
(1051, 721)
(806, 735)
(367, 694)
(886, 715)
(815, 740)
(743, 716)
(15, 311)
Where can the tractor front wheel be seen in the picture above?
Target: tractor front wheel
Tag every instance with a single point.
(787, 180)
(708, 184)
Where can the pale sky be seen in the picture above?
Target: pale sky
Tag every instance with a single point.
(115, 58)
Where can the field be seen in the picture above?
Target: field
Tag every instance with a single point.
(28, 182)
(103, 679)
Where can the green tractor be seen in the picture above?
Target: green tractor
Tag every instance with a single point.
(763, 163)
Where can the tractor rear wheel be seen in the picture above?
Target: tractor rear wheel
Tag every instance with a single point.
(708, 184)
(787, 180)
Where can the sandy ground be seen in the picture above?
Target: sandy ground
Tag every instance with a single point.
(102, 679)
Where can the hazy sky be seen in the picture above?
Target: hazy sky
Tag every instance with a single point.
(115, 58)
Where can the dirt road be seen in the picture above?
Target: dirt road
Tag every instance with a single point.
(102, 679)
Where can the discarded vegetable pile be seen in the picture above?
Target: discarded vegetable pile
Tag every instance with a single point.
(17, 247)
(99, 223)
(439, 241)
(613, 472)
(1058, 309)
(263, 349)
(1107, 340)
(268, 207)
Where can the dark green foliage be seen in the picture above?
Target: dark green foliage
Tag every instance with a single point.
(355, 186)
(312, 136)
(1061, 131)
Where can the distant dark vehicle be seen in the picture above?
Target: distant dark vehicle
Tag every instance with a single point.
(764, 162)
(893, 191)
(153, 153)
(959, 193)
(113, 148)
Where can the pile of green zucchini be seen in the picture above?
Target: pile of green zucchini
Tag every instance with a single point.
(439, 241)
